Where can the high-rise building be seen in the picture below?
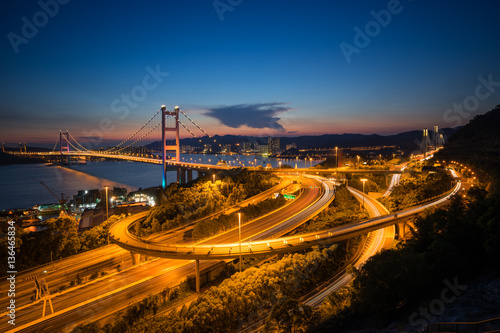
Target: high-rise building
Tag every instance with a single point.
(262, 149)
(246, 146)
(273, 145)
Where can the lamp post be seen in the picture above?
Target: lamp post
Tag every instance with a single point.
(336, 159)
(280, 165)
(107, 214)
(239, 227)
(363, 180)
(358, 161)
(213, 178)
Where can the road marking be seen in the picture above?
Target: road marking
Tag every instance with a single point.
(55, 314)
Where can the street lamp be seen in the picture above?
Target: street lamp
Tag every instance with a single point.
(280, 165)
(363, 180)
(358, 160)
(239, 227)
(336, 159)
(213, 177)
(107, 214)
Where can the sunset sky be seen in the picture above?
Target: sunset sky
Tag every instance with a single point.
(250, 67)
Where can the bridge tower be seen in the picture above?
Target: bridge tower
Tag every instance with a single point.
(64, 144)
(165, 147)
(425, 142)
(436, 136)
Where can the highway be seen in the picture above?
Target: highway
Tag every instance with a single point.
(317, 195)
(149, 277)
(62, 272)
(394, 181)
(87, 303)
(375, 242)
(215, 250)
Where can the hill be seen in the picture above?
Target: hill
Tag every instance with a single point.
(408, 141)
(478, 144)
(9, 159)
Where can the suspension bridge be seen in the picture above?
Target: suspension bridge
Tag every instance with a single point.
(155, 142)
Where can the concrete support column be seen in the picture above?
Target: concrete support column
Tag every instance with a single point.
(401, 230)
(197, 271)
(136, 258)
(189, 175)
(183, 176)
(179, 175)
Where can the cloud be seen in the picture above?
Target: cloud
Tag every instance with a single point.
(259, 115)
(292, 132)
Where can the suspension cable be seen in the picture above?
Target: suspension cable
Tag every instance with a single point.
(85, 149)
(137, 139)
(54, 149)
(130, 137)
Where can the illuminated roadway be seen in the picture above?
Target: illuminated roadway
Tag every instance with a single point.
(104, 297)
(317, 195)
(213, 249)
(375, 242)
(87, 303)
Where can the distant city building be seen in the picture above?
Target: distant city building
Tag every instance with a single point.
(186, 149)
(273, 145)
(291, 146)
(246, 147)
(207, 148)
(226, 148)
(262, 149)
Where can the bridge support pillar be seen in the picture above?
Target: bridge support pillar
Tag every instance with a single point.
(401, 230)
(181, 175)
(189, 175)
(197, 272)
(136, 258)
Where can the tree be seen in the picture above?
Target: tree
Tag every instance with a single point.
(289, 315)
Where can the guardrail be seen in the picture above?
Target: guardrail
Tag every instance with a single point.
(436, 197)
(272, 246)
(485, 326)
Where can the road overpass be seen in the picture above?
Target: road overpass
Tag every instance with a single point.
(121, 236)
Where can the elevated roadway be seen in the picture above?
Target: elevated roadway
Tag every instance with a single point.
(255, 245)
(317, 195)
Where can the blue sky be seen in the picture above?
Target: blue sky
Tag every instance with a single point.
(246, 67)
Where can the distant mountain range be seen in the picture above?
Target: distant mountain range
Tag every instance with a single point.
(408, 141)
